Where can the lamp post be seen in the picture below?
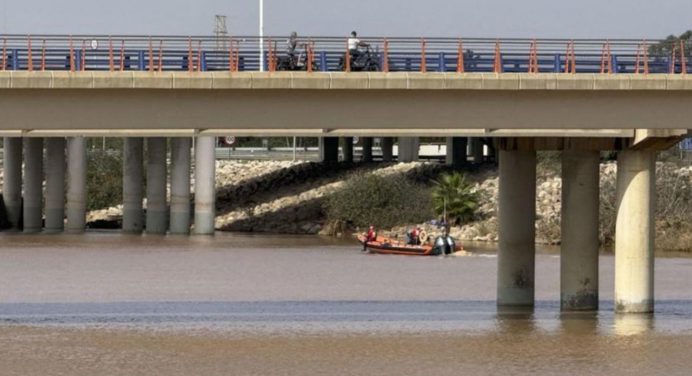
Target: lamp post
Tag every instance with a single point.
(261, 35)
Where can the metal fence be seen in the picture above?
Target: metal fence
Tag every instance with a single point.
(329, 54)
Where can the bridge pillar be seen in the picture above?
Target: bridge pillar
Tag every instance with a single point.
(157, 218)
(387, 145)
(517, 216)
(476, 149)
(76, 184)
(55, 184)
(456, 152)
(33, 184)
(180, 186)
(133, 184)
(205, 186)
(12, 182)
(367, 149)
(634, 232)
(408, 149)
(329, 149)
(347, 149)
(579, 255)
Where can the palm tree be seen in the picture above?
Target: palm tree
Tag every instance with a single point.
(454, 198)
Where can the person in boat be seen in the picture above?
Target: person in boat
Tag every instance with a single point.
(370, 236)
(413, 236)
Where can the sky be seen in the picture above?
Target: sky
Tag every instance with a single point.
(405, 18)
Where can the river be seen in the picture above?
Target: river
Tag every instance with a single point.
(106, 303)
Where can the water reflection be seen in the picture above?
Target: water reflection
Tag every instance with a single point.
(579, 323)
(630, 324)
(516, 320)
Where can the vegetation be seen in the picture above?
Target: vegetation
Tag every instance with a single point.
(104, 179)
(455, 196)
(382, 201)
(665, 47)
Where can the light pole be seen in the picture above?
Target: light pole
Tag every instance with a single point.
(261, 35)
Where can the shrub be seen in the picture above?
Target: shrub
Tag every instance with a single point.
(456, 197)
(104, 179)
(383, 201)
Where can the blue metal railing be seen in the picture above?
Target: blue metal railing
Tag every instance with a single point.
(177, 53)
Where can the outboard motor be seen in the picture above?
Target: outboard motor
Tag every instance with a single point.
(444, 245)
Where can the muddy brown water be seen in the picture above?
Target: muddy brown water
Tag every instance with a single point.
(111, 304)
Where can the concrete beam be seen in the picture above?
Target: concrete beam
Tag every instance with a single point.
(517, 234)
(635, 231)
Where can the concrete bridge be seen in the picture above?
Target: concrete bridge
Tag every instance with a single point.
(583, 114)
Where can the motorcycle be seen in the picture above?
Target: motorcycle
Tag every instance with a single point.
(295, 62)
(366, 61)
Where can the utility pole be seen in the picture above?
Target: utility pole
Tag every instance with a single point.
(221, 33)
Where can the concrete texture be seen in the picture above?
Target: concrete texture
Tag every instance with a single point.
(329, 149)
(157, 210)
(76, 184)
(367, 149)
(456, 152)
(55, 184)
(634, 232)
(180, 185)
(133, 184)
(205, 190)
(516, 217)
(33, 185)
(12, 185)
(347, 148)
(579, 221)
(387, 146)
(408, 149)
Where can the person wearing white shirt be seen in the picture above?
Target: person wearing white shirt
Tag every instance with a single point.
(353, 44)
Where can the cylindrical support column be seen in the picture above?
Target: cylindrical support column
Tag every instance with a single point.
(76, 184)
(408, 149)
(456, 152)
(157, 216)
(55, 184)
(347, 149)
(329, 149)
(387, 145)
(634, 232)
(133, 185)
(180, 186)
(205, 189)
(12, 182)
(33, 184)
(477, 150)
(579, 255)
(517, 216)
(367, 149)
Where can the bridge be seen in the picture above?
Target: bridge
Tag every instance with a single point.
(517, 96)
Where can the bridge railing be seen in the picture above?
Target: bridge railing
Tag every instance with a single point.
(202, 53)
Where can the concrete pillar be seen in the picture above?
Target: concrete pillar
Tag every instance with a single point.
(133, 185)
(456, 152)
(367, 149)
(387, 145)
(12, 181)
(477, 150)
(205, 189)
(329, 149)
(347, 149)
(157, 210)
(55, 184)
(634, 232)
(408, 149)
(579, 255)
(76, 184)
(517, 216)
(180, 186)
(33, 184)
